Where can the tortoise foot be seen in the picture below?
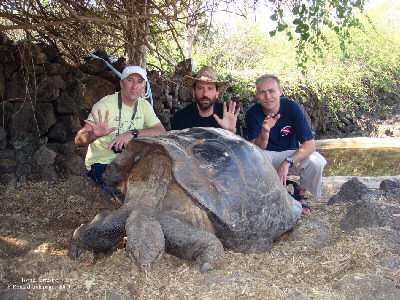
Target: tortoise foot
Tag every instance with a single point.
(76, 249)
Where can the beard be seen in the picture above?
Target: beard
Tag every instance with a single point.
(203, 106)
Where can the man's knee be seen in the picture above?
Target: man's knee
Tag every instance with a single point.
(317, 160)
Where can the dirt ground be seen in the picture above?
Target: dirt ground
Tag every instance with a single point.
(38, 219)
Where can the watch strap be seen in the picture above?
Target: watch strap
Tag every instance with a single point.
(290, 161)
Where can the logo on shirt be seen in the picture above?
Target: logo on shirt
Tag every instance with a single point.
(286, 130)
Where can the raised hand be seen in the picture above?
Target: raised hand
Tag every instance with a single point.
(229, 117)
(270, 122)
(100, 127)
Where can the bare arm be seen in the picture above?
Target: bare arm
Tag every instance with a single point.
(123, 140)
(154, 130)
(304, 150)
(262, 140)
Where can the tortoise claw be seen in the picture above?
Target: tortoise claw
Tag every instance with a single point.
(76, 249)
(205, 267)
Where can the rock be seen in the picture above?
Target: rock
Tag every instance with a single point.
(57, 133)
(25, 170)
(44, 156)
(184, 68)
(109, 76)
(76, 89)
(63, 149)
(93, 66)
(71, 124)
(47, 173)
(96, 88)
(372, 288)
(28, 119)
(3, 38)
(73, 164)
(8, 162)
(369, 213)
(387, 185)
(3, 138)
(48, 89)
(185, 95)
(54, 69)
(352, 191)
(391, 189)
(51, 52)
(14, 294)
(313, 233)
(391, 263)
(114, 296)
(45, 117)
(15, 90)
(20, 157)
(8, 180)
(27, 143)
(165, 118)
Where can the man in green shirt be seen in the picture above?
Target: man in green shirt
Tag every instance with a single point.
(115, 121)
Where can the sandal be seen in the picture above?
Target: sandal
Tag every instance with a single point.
(304, 205)
(296, 196)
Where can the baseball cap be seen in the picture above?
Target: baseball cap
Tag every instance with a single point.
(134, 70)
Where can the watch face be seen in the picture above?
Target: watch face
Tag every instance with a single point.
(290, 161)
(135, 133)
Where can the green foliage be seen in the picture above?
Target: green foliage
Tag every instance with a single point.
(343, 75)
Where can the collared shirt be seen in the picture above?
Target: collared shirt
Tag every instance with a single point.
(291, 129)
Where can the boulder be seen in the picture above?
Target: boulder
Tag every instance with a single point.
(370, 288)
(370, 213)
(96, 88)
(45, 156)
(352, 191)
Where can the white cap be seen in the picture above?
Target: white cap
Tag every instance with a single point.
(138, 70)
(133, 70)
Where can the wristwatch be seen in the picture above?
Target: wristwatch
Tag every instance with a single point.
(135, 133)
(290, 161)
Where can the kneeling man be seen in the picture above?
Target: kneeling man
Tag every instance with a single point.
(279, 127)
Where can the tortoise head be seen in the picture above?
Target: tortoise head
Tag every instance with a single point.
(145, 256)
(145, 240)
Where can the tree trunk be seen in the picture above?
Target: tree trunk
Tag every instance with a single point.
(136, 33)
(191, 28)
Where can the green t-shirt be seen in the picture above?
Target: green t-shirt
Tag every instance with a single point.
(145, 117)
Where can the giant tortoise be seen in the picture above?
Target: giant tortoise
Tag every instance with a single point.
(191, 193)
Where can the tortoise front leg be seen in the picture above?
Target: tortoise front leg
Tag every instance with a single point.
(188, 242)
(105, 231)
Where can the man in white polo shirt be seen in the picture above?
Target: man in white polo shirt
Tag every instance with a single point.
(116, 120)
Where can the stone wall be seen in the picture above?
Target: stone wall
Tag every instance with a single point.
(44, 102)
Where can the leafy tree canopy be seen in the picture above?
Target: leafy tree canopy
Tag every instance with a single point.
(134, 28)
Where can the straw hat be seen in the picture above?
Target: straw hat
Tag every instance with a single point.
(206, 74)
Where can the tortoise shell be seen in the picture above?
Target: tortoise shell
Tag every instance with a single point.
(227, 176)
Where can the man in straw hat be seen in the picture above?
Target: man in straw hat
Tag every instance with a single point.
(279, 127)
(116, 120)
(205, 112)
